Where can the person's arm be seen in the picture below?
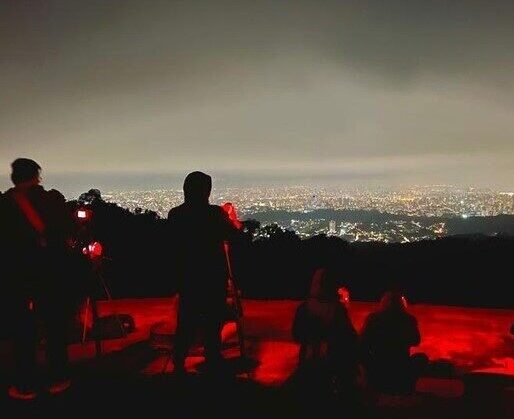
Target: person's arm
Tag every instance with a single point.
(61, 220)
(231, 230)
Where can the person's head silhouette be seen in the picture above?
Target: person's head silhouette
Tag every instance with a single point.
(392, 301)
(25, 171)
(323, 286)
(197, 188)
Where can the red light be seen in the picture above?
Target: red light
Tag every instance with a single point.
(93, 250)
(344, 295)
(404, 301)
(230, 210)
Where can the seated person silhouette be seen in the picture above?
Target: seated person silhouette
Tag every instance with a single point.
(328, 341)
(386, 339)
(198, 231)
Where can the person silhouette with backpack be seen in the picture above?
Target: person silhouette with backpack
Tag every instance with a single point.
(35, 228)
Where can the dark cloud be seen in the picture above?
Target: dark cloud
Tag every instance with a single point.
(261, 85)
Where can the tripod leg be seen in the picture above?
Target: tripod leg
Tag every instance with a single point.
(240, 336)
(109, 297)
(86, 315)
(98, 338)
(239, 317)
(168, 359)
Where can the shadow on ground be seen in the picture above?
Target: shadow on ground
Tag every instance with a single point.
(115, 384)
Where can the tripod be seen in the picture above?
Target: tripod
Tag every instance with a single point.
(91, 304)
(234, 294)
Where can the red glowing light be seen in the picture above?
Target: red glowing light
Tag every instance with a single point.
(344, 295)
(404, 301)
(230, 210)
(93, 250)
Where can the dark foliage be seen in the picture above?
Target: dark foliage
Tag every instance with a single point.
(459, 270)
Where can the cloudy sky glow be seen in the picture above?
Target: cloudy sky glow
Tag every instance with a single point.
(406, 91)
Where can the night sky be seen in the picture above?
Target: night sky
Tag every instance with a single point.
(390, 91)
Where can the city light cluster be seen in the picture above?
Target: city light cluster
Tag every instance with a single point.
(418, 209)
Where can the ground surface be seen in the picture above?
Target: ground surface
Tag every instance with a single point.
(134, 373)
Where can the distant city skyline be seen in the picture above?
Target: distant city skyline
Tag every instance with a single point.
(74, 184)
(130, 94)
(397, 215)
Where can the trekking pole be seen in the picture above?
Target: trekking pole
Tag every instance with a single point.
(236, 301)
(229, 209)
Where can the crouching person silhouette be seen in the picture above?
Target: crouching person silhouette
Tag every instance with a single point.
(34, 230)
(386, 340)
(328, 341)
(198, 231)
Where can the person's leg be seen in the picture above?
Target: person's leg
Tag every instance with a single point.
(186, 327)
(212, 325)
(25, 346)
(56, 322)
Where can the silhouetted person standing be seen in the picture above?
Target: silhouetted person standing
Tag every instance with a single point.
(34, 230)
(198, 231)
(386, 338)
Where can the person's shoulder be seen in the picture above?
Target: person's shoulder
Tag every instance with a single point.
(341, 310)
(411, 318)
(176, 211)
(55, 195)
(217, 212)
(301, 311)
(4, 196)
(216, 209)
(301, 306)
(373, 317)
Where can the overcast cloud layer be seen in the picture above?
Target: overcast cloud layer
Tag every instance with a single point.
(405, 91)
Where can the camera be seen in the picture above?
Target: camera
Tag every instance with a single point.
(83, 214)
(84, 241)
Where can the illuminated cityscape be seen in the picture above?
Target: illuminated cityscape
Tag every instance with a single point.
(388, 215)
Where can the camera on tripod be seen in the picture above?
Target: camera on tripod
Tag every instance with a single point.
(107, 326)
(84, 241)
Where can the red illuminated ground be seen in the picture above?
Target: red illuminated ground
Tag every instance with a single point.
(472, 339)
